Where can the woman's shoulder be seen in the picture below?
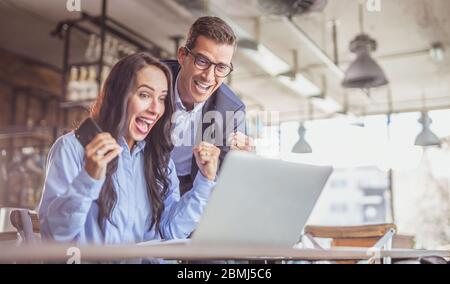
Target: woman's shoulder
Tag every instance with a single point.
(68, 139)
(68, 144)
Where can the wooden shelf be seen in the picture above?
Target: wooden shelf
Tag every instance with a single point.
(80, 104)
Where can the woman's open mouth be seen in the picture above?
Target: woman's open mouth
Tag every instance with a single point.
(143, 125)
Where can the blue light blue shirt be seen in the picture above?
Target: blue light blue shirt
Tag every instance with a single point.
(68, 210)
(184, 129)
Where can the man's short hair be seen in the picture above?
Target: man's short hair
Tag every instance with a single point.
(213, 28)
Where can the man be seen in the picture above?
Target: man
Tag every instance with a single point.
(206, 108)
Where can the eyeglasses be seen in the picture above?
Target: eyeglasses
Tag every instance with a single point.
(203, 63)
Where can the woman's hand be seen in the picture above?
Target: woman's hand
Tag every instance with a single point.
(207, 158)
(98, 153)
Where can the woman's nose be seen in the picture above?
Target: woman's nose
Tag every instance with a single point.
(154, 106)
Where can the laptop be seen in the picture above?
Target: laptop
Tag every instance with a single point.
(260, 201)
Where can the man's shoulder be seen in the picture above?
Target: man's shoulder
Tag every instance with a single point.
(227, 99)
(173, 65)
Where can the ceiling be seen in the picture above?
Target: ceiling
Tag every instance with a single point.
(404, 30)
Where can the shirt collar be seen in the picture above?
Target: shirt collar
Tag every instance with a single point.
(137, 148)
(140, 146)
(179, 104)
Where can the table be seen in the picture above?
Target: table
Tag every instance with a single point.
(192, 251)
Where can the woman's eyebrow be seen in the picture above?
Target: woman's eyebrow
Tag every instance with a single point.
(165, 92)
(146, 86)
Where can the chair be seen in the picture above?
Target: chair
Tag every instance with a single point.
(377, 237)
(8, 234)
(27, 224)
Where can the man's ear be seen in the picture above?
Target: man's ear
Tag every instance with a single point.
(181, 56)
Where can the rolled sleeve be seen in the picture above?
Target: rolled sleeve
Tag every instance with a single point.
(87, 186)
(202, 186)
(182, 215)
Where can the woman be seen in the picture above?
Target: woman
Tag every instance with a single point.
(123, 187)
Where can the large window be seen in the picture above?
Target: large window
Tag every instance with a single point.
(358, 191)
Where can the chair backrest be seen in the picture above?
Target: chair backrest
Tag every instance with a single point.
(8, 236)
(351, 236)
(372, 236)
(7, 231)
(403, 241)
(27, 224)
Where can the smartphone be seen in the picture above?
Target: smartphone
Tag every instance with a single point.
(87, 131)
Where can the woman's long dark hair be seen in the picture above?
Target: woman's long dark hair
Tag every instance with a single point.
(110, 112)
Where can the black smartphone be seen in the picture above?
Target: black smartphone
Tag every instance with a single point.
(87, 131)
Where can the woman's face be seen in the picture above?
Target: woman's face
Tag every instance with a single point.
(146, 104)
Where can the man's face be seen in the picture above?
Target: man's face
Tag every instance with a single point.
(196, 85)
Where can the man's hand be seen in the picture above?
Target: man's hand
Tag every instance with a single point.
(240, 141)
(207, 158)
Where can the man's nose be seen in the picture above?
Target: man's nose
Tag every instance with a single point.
(208, 74)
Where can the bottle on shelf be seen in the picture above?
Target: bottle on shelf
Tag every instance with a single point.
(97, 48)
(92, 86)
(114, 52)
(107, 56)
(121, 50)
(84, 84)
(90, 53)
(73, 87)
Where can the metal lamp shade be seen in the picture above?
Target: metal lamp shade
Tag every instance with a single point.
(364, 72)
(302, 147)
(426, 137)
